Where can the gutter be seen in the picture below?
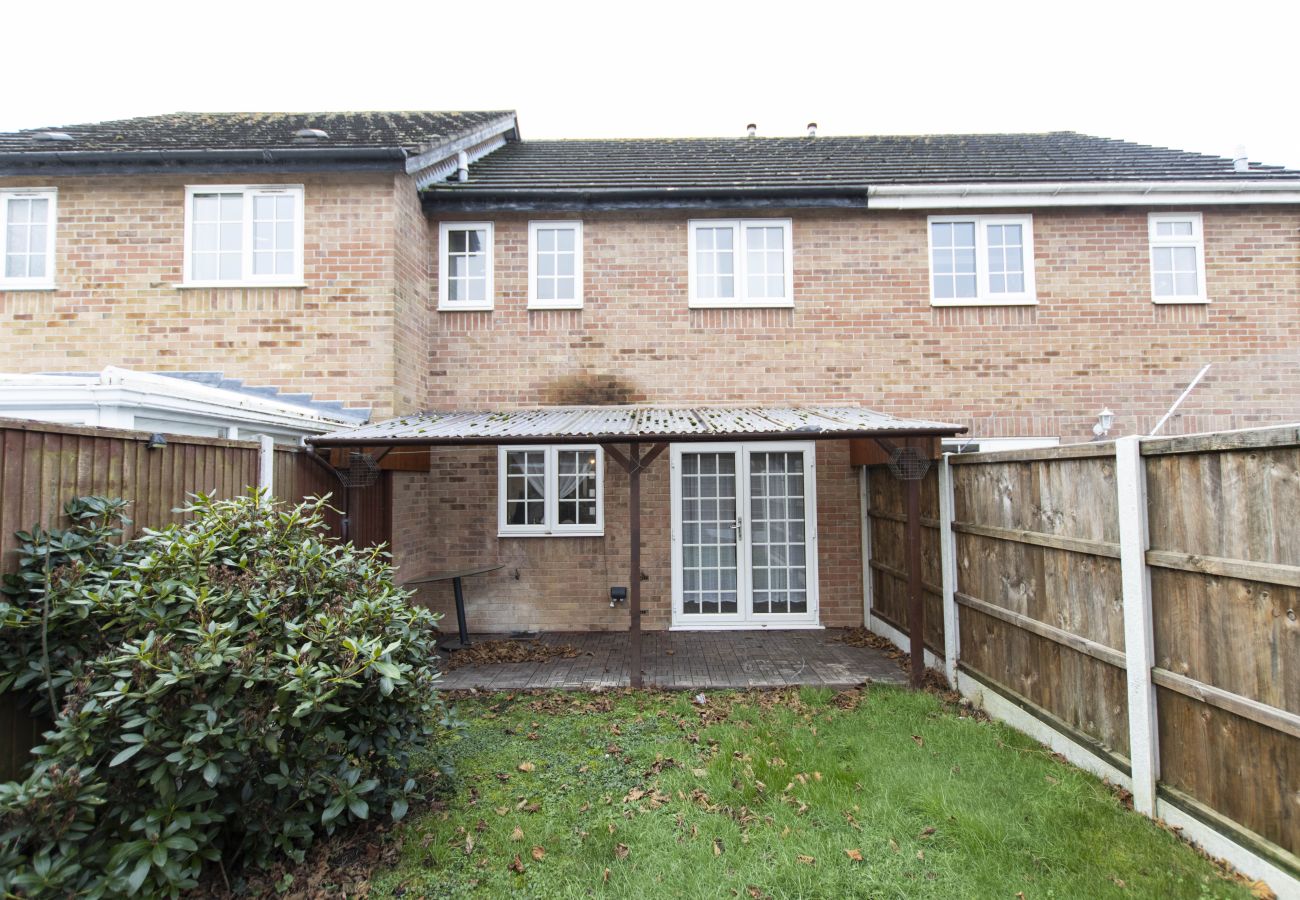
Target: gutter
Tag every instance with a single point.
(1085, 193)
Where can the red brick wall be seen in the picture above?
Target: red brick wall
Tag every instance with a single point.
(562, 583)
(120, 246)
(862, 331)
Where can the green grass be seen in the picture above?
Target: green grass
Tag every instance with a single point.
(761, 795)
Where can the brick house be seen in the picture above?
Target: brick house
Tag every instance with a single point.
(1015, 285)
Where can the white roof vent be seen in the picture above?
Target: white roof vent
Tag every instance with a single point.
(812, 129)
(751, 129)
(1240, 161)
(310, 134)
(52, 136)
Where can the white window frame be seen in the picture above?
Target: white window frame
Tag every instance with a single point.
(550, 494)
(247, 278)
(489, 241)
(46, 281)
(1196, 240)
(983, 296)
(739, 244)
(572, 303)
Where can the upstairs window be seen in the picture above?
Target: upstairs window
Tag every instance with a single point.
(555, 265)
(465, 265)
(981, 260)
(740, 262)
(1177, 258)
(550, 490)
(242, 235)
(27, 219)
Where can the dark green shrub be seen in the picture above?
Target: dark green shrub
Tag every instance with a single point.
(225, 689)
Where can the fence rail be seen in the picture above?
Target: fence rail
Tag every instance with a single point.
(43, 465)
(1135, 605)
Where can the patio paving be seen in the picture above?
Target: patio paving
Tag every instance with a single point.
(686, 660)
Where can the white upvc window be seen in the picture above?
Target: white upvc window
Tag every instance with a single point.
(555, 265)
(981, 260)
(243, 236)
(1177, 258)
(27, 222)
(740, 262)
(550, 490)
(465, 265)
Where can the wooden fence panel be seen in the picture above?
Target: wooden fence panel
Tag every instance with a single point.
(1224, 524)
(1247, 772)
(1038, 580)
(888, 523)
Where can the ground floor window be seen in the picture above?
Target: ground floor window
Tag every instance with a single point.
(550, 490)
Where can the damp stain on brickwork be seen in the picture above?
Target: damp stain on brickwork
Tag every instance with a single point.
(591, 389)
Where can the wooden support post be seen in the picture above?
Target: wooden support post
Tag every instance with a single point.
(948, 559)
(915, 595)
(634, 586)
(1144, 750)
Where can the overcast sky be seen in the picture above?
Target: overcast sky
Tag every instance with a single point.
(1197, 76)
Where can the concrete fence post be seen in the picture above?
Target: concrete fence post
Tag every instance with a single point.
(1139, 650)
(266, 466)
(948, 560)
(864, 501)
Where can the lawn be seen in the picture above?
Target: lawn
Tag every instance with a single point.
(808, 793)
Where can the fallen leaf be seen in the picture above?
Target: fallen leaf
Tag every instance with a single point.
(855, 854)
(699, 773)
(611, 827)
(634, 795)
(920, 854)
(526, 767)
(517, 865)
(502, 810)
(517, 834)
(717, 846)
(893, 845)
(806, 860)
(920, 741)
(1051, 780)
(817, 776)
(538, 853)
(621, 850)
(927, 831)
(469, 845)
(605, 877)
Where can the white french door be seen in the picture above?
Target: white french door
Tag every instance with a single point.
(744, 535)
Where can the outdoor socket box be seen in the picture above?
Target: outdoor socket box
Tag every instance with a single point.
(617, 595)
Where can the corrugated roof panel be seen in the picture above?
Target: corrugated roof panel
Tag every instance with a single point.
(574, 424)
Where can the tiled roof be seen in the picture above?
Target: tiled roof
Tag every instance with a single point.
(824, 163)
(410, 131)
(581, 424)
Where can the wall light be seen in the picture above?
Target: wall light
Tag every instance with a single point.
(156, 441)
(1105, 419)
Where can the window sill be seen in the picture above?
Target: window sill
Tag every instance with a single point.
(754, 304)
(983, 301)
(550, 534)
(1180, 301)
(465, 307)
(237, 285)
(544, 307)
(18, 286)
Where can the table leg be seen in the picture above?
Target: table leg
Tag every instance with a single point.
(460, 612)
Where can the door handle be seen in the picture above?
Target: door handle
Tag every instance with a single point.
(739, 530)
